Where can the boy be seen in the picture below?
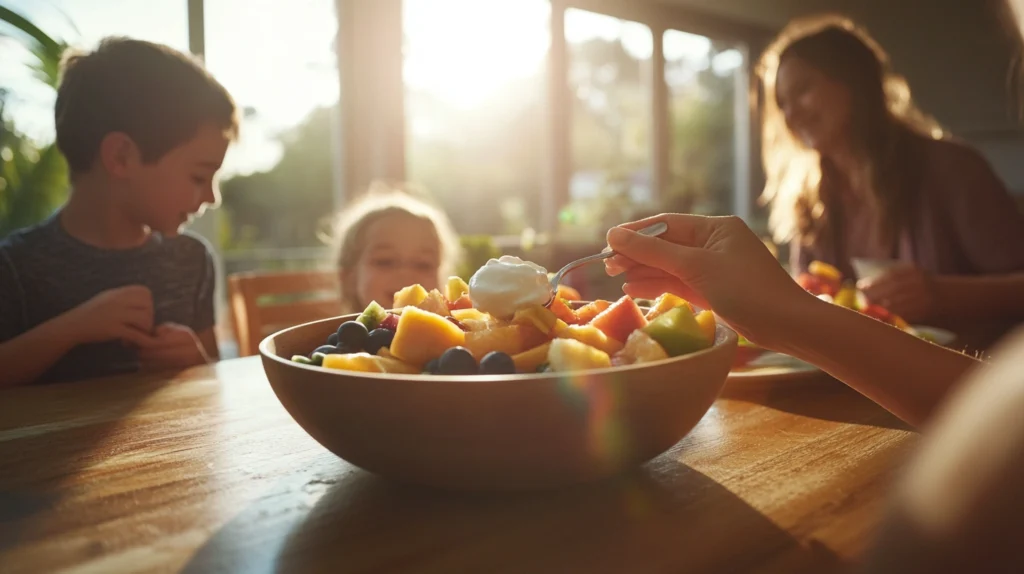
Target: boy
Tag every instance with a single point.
(108, 284)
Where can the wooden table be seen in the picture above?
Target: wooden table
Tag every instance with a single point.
(205, 472)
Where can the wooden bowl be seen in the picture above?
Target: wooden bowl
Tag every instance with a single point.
(498, 432)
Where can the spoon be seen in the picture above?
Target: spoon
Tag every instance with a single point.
(650, 231)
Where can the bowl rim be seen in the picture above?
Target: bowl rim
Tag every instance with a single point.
(723, 335)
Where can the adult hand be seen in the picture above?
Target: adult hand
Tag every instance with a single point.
(714, 262)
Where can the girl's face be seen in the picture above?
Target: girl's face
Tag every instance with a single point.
(816, 107)
(398, 250)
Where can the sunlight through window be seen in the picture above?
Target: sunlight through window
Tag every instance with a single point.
(474, 84)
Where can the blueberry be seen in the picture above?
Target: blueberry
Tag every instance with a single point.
(377, 339)
(333, 340)
(497, 363)
(325, 350)
(433, 367)
(318, 359)
(352, 334)
(457, 361)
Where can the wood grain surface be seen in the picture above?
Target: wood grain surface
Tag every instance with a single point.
(204, 471)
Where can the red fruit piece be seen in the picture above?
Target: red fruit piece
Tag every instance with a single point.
(878, 312)
(390, 322)
(462, 302)
(621, 319)
(817, 285)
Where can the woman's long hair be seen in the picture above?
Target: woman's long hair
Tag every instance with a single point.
(884, 118)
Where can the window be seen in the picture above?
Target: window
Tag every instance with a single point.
(278, 61)
(706, 81)
(28, 102)
(611, 116)
(475, 129)
(33, 177)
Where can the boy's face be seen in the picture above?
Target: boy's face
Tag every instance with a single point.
(167, 194)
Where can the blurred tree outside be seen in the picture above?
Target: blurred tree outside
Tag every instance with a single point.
(484, 165)
(289, 205)
(33, 176)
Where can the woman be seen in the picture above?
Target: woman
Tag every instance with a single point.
(855, 171)
(959, 506)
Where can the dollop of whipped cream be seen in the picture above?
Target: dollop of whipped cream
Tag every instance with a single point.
(507, 284)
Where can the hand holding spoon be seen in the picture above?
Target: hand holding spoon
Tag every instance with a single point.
(651, 231)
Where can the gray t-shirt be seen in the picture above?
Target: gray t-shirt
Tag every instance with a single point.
(45, 272)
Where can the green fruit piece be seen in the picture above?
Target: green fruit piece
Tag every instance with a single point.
(317, 359)
(678, 332)
(303, 359)
(372, 316)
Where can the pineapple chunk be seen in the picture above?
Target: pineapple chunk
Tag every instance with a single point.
(410, 296)
(641, 348)
(571, 355)
(543, 319)
(707, 323)
(455, 288)
(474, 319)
(824, 270)
(593, 337)
(367, 363)
(667, 302)
(509, 339)
(435, 303)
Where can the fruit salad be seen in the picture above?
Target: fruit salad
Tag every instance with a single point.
(827, 283)
(446, 333)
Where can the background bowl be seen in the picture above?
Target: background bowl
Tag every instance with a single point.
(499, 432)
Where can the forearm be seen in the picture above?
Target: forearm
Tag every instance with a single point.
(905, 375)
(980, 297)
(26, 357)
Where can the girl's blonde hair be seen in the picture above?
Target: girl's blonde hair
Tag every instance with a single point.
(884, 119)
(380, 201)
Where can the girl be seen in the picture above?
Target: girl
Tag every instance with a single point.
(855, 171)
(389, 239)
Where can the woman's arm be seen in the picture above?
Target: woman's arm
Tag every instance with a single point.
(959, 506)
(719, 263)
(906, 375)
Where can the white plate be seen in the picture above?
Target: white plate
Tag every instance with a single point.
(776, 365)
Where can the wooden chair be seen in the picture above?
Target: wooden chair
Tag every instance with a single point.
(294, 298)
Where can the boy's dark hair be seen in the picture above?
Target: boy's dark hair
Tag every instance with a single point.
(156, 95)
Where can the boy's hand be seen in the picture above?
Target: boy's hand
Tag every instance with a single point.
(173, 346)
(124, 314)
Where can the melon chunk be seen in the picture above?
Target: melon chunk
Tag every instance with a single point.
(621, 319)
(422, 336)
(528, 361)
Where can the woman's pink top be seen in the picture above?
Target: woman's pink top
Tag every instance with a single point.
(965, 222)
